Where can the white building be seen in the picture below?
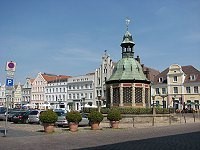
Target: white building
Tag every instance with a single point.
(56, 93)
(102, 74)
(38, 97)
(2, 95)
(80, 91)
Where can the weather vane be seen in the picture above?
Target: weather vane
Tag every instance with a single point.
(127, 22)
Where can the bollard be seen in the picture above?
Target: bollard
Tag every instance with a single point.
(153, 121)
(170, 120)
(184, 118)
(194, 116)
(133, 122)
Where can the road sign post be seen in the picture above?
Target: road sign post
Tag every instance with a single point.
(10, 69)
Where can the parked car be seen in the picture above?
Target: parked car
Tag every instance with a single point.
(62, 121)
(34, 116)
(3, 115)
(11, 113)
(19, 117)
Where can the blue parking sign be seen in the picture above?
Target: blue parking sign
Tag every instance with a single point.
(9, 82)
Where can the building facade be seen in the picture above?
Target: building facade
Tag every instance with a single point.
(26, 91)
(38, 97)
(2, 95)
(102, 74)
(81, 91)
(177, 87)
(56, 93)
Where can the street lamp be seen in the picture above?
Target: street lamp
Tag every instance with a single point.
(154, 110)
(173, 100)
(163, 100)
(83, 104)
(99, 103)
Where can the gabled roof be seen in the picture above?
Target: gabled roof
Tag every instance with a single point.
(150, 73)
(188, 70)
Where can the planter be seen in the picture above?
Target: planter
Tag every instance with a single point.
(114, 124)
(95, 126)
(73, 127)
(48, 127)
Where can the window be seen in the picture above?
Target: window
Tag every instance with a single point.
(157, 91)
(160, 79)
(192, 77)
(78, 96)
(175, 89)
(196, 90)
(70, 87)
(70, 96)
(163, 90)
(175, 78)
(90, 95)
(187, 89)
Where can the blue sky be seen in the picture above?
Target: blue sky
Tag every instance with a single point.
(69, 36)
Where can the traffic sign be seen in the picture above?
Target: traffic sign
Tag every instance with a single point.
(9, 82)
(10, 66)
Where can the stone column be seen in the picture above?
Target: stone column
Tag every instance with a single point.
(133, 95)
(121, 95)
(143, 95)
(111, 95)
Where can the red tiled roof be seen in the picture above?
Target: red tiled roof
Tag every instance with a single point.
(188, 70)
(50, 77)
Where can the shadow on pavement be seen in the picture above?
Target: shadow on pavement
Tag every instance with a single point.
(188, 141)
(18, 133)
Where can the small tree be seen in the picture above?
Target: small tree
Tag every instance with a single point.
(48, 116)
(114, 115)
(74, 116)
(95, 117)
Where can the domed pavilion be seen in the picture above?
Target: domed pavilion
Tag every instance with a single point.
(128, 86)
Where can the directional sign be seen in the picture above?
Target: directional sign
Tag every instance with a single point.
(9, 82)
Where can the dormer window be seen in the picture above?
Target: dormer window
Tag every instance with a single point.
(160, 79)
(192, 77)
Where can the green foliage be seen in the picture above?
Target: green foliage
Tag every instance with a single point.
(48, 116)
(114, 115)
(74, 116)
(95, 117)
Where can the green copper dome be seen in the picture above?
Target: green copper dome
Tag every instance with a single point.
(127, 69)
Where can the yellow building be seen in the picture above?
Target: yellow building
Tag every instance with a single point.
(177, 87)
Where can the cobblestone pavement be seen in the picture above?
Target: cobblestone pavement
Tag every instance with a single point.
(176, 136)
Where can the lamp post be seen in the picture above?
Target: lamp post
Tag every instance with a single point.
(83, 104)
(163, 99)
(154, 110)
(173, 100)
(99, 103)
